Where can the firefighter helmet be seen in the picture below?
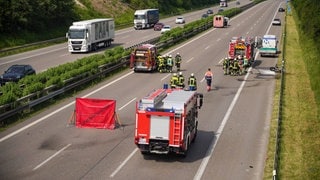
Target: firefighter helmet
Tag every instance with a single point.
(180, 73)
(192, 75)
(174, 74)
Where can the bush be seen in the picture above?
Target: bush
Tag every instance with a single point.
(37, 86)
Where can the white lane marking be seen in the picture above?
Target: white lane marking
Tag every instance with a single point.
(123, 163)
(51, 157)
(215, 140)
(27, 57)
(190, 59)
(66, 106)
(207, 47)
(60, 109)
(165, 77)
(127, 104)
(219, 39)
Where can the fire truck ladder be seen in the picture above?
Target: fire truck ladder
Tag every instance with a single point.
(177, 129)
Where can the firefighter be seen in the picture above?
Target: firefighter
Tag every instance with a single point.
(226, 66)
(245, 65)
(235, 67)
(161, 65)
(192, 82)
(174, 81)
(180, 80)
(231, 66)
(169, 63)
(209, 77)
(178, 61)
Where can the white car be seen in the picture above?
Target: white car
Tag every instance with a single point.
(180, 20)
(165, 28)
(276, 22)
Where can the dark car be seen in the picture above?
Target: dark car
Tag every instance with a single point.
(281, 9)
(204, 16)
(220, 10)
(210, 11)
(158, 26)
(15, 73)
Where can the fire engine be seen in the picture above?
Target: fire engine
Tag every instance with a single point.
(166, 121)
(240, 55)
(144, 58)
(244, 47)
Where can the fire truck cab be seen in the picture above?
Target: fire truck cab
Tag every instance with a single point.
(144, 58)
(244, 47)
(166, 121)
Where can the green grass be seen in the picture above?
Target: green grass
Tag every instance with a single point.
(300, 140)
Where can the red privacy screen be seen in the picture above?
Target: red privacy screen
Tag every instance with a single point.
(95, 113)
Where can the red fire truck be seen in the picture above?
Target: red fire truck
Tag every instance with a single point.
(166, 121)
(144, 58)
(244, 47)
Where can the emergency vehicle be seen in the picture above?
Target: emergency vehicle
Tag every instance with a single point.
(243, 47)
(144, 58)
(240, 56)
(166, 121)
(220, 21)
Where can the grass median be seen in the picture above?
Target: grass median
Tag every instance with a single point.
(299, 138)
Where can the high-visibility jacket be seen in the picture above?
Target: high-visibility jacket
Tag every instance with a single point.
(174, 81)
(181, 80)
(169, 62)
(192, 81)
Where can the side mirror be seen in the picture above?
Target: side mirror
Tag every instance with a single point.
(67, 35)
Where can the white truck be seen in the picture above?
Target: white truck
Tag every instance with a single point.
(145, 18)
(269, 46)
(89, 35)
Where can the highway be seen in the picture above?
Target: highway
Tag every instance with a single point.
(233, 123)
(52, 56)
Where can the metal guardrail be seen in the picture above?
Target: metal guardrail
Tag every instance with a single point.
(31, 44)
(32, 100)
(124, 61)
(280, 103)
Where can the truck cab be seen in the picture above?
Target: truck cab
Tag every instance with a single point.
(269, 46)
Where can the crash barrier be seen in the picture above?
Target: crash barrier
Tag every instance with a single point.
(280, 103)
(32, 44)
(28, 102)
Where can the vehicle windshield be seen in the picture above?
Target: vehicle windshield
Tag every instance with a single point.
(16, 69)
(240, 52)
(139, 16)
(76, 33)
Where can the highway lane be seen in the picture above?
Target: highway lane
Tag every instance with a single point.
(52, 56)
(91, 154)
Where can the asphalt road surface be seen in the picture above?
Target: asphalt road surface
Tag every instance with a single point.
(233, 123)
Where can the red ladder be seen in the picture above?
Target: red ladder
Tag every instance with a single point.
(177, 129)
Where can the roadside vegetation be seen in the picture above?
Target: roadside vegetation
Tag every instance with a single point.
(299, 138)
(23, 22)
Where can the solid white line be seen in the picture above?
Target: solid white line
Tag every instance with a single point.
(123, 163)
(32, 56)
(165, 77)
(215, 140)
(51, 157)
(127, 104)
(190, 59)
(60, 109)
